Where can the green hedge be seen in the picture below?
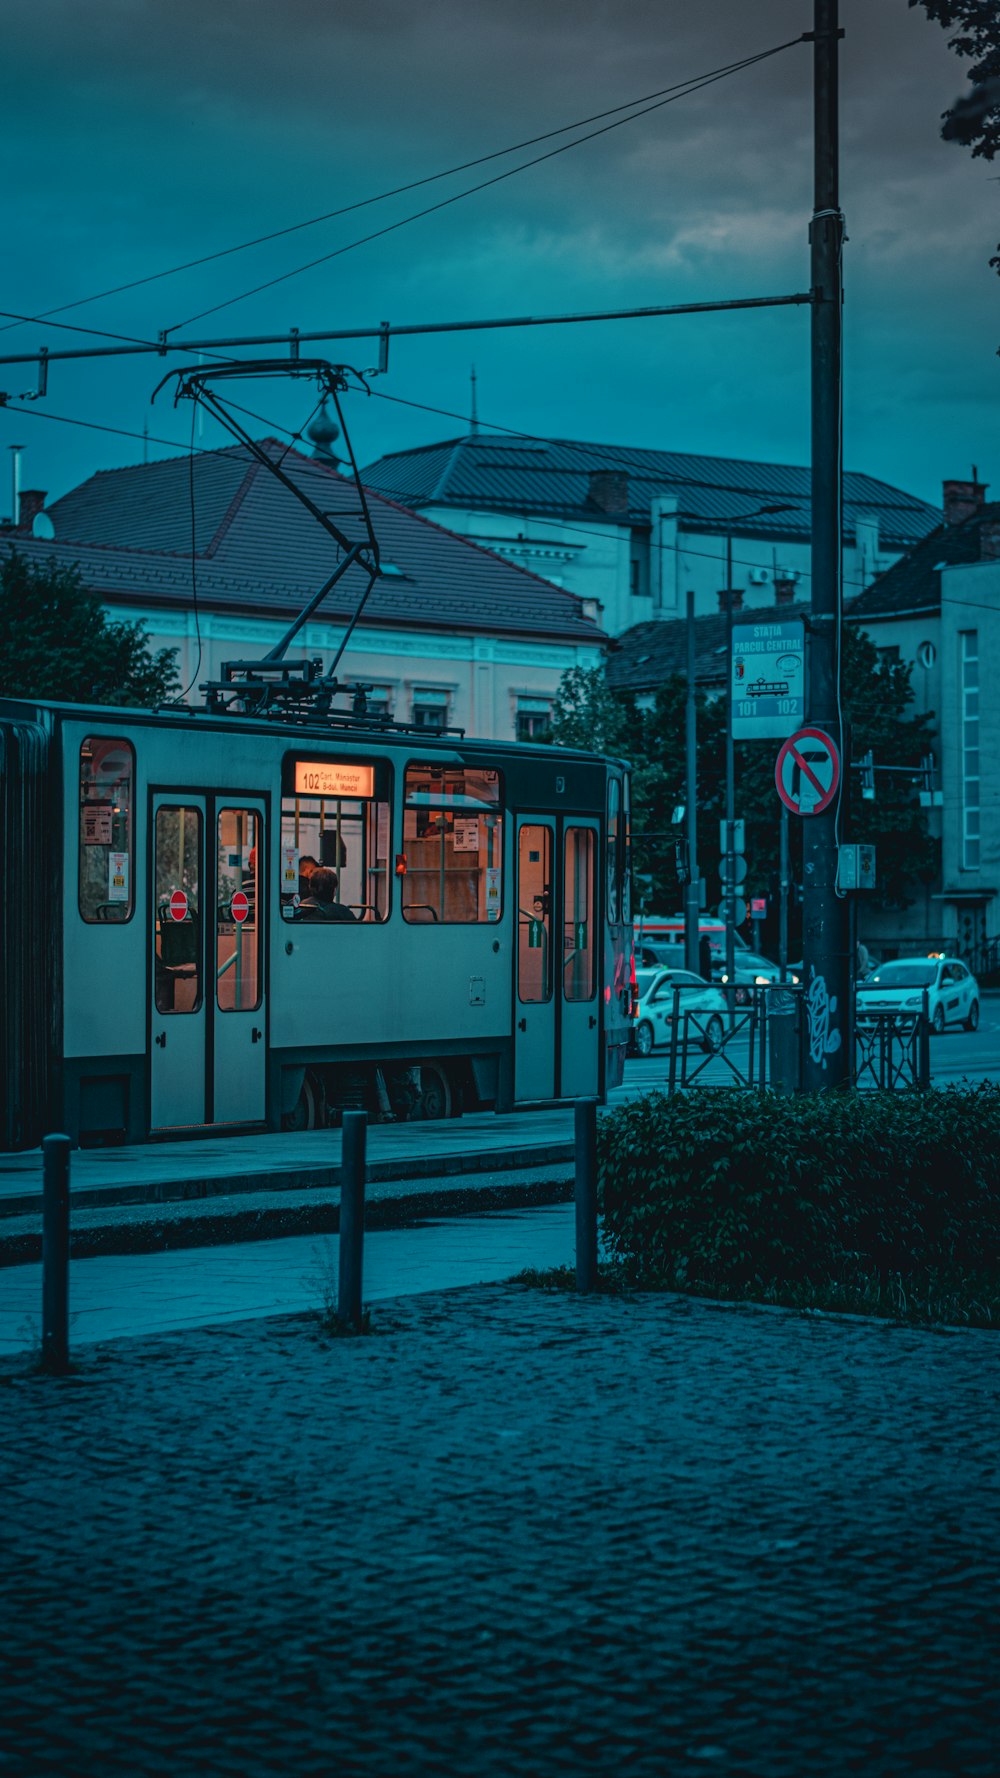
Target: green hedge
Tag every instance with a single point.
(755, 1193)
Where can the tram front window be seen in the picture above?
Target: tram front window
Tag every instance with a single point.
(342, 840)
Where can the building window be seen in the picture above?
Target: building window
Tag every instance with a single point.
(888, 657)
(969, 658)
(532, 719)
(430, 707)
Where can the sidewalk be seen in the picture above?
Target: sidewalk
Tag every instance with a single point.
(511, 1532)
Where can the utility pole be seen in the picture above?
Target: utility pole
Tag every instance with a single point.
(692, 888)
(729, 866)
(828, 972)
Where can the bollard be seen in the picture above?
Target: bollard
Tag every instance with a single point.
(352, 1219)
(55, 1255)
(585, 1117)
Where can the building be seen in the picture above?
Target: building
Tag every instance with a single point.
(629, 530)
(938, 611)
(452, 635)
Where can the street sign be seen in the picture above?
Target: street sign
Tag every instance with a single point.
(758, 907)
(739, 835)
(734, 872)
(807, 772)
(178, 905)
(239, 907)
(767, 667)
(739, 908)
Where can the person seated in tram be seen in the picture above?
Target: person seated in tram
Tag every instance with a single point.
(307, 864)
(321, 902)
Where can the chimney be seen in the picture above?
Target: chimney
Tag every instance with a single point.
(608, 490)
(784, 590)
(32, 501)
(736, 594)
(962, 500)
(989, 541)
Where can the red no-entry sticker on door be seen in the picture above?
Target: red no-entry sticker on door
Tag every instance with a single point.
(178, 905)
(239, 907)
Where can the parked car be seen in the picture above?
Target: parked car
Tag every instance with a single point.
(656, 1007)
(657, 954)
(750, 970)
(952, 992)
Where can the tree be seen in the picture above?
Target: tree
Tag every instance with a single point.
(57, 641)
(877, 695)
(975, 119)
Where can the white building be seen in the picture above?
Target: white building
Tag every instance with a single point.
(451, 636)
(630, 530)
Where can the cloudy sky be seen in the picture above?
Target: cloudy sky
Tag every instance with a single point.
(141, 134)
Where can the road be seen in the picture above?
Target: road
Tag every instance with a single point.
(955, 1056)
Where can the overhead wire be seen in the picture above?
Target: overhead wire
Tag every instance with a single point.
(696, 84)
(360, 203)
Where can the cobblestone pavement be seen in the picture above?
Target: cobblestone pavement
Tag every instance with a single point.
(511, 1533)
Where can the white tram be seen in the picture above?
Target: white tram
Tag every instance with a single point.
(166, 971)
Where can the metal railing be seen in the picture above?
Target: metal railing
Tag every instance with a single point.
(763, 1041)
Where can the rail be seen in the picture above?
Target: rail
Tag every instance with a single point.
(762, 1041)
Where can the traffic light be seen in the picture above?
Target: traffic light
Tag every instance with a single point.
(681, 861)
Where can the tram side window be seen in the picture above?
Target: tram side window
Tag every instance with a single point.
(345, 838)
(613, 845)
(107, 836)
(452, 845)
(627, 850)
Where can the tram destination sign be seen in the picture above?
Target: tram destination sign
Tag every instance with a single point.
(333, 777)
(768, 679)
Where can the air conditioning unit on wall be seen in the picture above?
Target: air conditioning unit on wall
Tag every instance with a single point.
(759, 576)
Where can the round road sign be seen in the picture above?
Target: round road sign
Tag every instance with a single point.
(178, 905)
(807, 772)
(239, 907)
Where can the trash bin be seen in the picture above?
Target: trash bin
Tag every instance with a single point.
(783, 1056)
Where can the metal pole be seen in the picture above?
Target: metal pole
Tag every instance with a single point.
(352, 1219)
(55, 1255)
(585, 1129)
(827, 1060)
(784, 887)
(692, 896)
(730, 888)
(924, 1043)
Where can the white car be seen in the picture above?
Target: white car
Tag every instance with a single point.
(656, 1008)
(750, 970)
(952, 993)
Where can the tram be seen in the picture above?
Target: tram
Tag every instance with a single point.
(224, 923)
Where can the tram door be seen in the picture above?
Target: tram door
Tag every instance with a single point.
(556, 1013)
(207, 1049)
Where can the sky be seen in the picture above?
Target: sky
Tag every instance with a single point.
(141, 134)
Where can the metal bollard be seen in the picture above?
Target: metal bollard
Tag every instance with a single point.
(55, 1255)
(585, 1119)
(352, 1219)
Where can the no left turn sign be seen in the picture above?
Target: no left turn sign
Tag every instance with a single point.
(808, 772)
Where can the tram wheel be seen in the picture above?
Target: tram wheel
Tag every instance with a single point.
(435, 1092)
(310, 1110)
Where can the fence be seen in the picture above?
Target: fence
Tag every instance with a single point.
(763, 1042)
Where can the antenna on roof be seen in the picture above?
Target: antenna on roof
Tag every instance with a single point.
(474, 418)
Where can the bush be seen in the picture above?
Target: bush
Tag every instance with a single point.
(802, 1198)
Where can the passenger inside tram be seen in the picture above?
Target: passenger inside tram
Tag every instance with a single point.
(321, 902)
